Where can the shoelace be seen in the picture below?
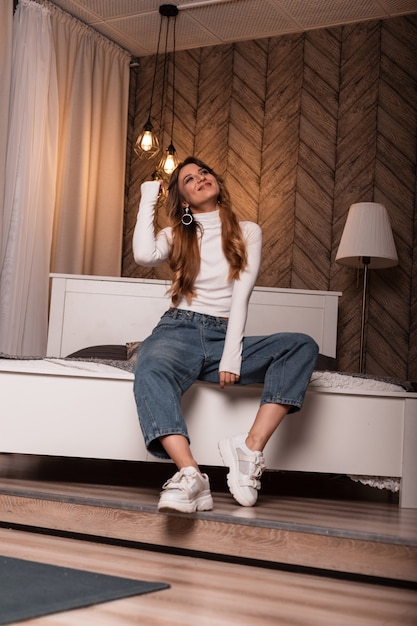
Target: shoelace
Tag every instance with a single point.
(177, 479)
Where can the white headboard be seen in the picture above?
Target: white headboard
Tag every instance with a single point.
(93, 310)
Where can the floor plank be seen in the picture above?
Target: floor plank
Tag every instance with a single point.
(212, 593)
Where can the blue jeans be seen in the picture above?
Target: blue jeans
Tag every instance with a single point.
(186, 346)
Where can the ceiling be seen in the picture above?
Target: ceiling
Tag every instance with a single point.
(134, 24)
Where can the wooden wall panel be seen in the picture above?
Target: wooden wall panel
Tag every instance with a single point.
(246, 123)
(316, 160)
(279, 159)
(394, 185)
(355, 157)
(213, 111)
(302, 126)
(139, 100)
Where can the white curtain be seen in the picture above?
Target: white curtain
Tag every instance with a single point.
(29, 193)
(6, 17)
(93, 86)
(65, 164)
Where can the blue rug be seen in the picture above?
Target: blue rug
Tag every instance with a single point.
(29, 589)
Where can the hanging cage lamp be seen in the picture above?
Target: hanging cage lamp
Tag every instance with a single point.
(147, 145)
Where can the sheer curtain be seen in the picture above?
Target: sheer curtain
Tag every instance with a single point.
(65, 164)
(29, 191)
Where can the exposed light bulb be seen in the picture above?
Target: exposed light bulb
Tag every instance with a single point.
(146, 141)
(169, 165)
(169, 161)
(147, 144)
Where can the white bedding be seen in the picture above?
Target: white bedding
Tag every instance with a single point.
(124, 370)
(338, 380)
(90, 368)
(63, 367)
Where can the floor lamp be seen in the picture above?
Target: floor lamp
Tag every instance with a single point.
(367, 242)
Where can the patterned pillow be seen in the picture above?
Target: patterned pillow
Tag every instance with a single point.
(132, 349)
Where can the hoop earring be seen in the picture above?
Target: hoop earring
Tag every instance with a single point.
(187, 217)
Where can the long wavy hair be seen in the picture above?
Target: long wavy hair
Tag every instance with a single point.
(185, 258)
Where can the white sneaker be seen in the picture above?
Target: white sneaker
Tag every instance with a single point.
(246, 467)
(187, 491)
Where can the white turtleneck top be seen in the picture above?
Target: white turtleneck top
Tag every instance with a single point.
(215, 294)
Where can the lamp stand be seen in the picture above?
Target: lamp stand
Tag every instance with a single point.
(365, 260)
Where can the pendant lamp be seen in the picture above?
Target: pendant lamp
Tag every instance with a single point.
(147, 145)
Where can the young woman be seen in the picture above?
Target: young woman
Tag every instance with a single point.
(214, 261)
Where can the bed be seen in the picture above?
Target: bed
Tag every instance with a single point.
(83, 406)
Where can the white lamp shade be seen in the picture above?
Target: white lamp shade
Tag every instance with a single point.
(367, 233)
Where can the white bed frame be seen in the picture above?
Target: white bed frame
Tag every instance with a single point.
(83, 414)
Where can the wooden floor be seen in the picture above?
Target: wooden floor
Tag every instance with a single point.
(288, 561)
(212, 593)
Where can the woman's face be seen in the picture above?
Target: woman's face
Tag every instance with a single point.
(198, 188)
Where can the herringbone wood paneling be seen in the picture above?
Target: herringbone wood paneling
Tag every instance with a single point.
(355, 157)
(302, 126)
(246, 127)
(388, 329)
(213, 111)
(279, 158)
(316, 160)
